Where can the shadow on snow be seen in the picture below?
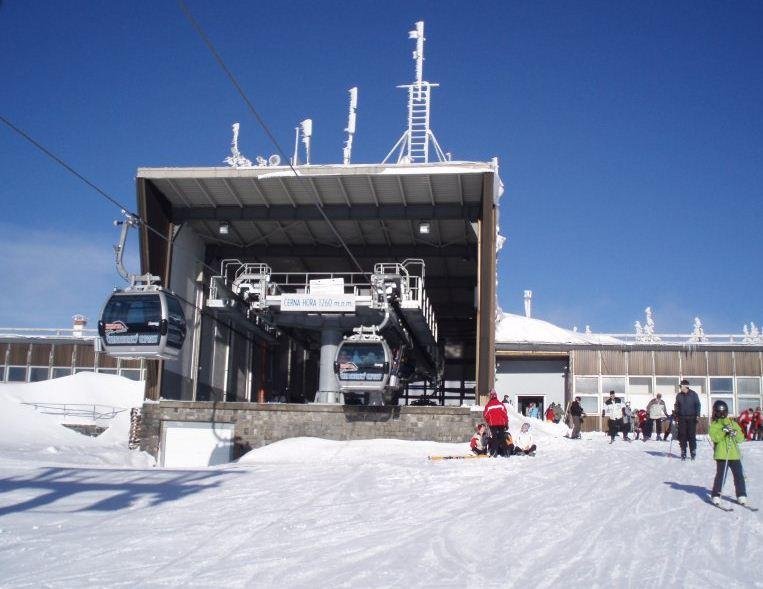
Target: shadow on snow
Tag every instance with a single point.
(153, 487)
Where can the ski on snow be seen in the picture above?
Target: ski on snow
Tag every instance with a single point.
(721, 507)
(750, 507)
(464, 457)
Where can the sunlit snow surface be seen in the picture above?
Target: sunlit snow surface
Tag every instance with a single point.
(317, 513)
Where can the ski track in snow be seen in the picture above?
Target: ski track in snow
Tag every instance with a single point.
(379, 514)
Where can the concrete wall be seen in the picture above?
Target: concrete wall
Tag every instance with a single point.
(257, 425)
(531, 377)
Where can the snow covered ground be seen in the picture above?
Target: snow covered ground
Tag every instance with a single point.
(78, 512)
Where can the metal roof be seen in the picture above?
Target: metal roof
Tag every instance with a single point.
(274, 217)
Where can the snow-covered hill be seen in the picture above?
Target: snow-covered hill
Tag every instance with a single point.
(316, 513)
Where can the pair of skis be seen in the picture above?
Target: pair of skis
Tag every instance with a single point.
(725, 508)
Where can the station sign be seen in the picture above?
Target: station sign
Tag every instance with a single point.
(327, 286)
(323, 303)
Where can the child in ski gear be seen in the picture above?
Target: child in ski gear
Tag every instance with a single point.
(687, 410)
(726, 436)
(479, 443)
(550, 414)
(524, 443)
(497, 419)
(613, 410)
(641, 424)
(657, 412)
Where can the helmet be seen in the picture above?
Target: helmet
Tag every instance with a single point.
(720, 410)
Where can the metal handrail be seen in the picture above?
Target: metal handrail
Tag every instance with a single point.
(77, 409)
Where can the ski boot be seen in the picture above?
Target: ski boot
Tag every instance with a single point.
(715, 500)
(742, 500)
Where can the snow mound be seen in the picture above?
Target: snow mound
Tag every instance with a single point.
(82, 388)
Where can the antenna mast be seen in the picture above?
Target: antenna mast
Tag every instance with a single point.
(413, 146)
(347, 151)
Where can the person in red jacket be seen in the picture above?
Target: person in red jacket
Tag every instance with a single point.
(757, 419)
(497, 420)
(550, 413)
(745, 422)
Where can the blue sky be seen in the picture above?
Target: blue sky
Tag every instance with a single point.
(629, 134)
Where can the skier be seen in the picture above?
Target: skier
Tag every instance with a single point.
(758, 419)
(613, 409)
(497, 419)
(478, 442)
(524, 443)
(745, 421)
(687, 410)
(657, 412)
(641, 421)
(550, 413)
(577, 413)
(627, 421)
(726, 435)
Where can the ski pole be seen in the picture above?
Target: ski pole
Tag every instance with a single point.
(725, 466)
(670, 448)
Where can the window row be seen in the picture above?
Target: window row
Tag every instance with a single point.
(739, 393)
(40, 373)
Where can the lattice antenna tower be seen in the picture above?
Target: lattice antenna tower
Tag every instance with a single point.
(414, 145)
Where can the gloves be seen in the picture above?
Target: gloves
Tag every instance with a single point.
(729, 431)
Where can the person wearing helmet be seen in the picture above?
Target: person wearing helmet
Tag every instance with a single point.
(726, 436)
(497, 419)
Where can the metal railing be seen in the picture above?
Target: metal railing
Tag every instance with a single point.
(92, 411)
(48, 332)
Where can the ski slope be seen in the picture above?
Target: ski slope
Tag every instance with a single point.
(306, 512)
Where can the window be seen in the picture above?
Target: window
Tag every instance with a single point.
(80, 369)
(17, 374)
(613, 383)
(748, 387)
(639, 391)
(586, 385)
(60, 371)
(131, 373)
(667, 386)
(107, 370)
(38, 373)
(590, 404)
(722, 385)
(2, 373)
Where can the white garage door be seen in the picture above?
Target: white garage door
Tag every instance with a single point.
(187, 444)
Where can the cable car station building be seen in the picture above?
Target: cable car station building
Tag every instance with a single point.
(423, 234)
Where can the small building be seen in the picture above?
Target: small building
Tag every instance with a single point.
(33, 355)
(537, 361)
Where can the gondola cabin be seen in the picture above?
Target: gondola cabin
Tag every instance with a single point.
(142, 324)
(363, 366)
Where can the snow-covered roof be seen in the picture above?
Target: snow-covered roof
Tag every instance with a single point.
(514, 329)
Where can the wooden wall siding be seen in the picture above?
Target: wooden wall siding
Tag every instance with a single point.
(667, 363)
(18, 354)
(62, 354)
(131, 363)
(693, 363)
(640, 363)
(747, 363)
(85, 357)
(586, 361)
(3, 350)
(41, 354)
(613, 362)
(720, 363)
(106, 361)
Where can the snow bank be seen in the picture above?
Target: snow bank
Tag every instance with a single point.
(28, 436)
(81, 388)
